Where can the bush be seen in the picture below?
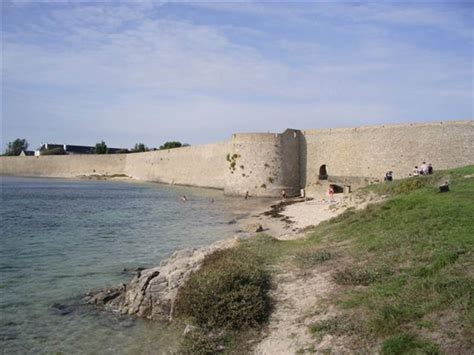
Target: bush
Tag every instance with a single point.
(198, 342)
(409, 185)
(228, 292)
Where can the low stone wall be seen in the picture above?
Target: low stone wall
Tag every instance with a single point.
(65, 166)
(199, 165)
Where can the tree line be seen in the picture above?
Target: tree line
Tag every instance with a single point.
(18, 145)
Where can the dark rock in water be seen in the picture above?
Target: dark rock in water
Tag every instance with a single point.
(233, 221)
(62, 309)
(138, 269)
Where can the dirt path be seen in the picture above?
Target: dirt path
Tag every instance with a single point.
(302, 299)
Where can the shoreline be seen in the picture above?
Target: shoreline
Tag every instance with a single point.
(152, 291)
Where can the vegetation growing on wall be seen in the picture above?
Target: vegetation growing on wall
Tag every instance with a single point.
(232, 159)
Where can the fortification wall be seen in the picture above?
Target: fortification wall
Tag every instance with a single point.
(199, 165)
(364, 154)
(263, 164)
(66, 166)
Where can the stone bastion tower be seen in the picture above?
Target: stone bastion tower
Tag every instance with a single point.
(264, 164)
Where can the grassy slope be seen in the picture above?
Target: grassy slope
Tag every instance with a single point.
(416, 251)
(405, 266)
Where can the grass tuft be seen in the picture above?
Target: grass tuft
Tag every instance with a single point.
(306, 259)
(408, 344)
(356, 275)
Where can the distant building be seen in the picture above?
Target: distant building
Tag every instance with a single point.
(27, 153)
(74, 149)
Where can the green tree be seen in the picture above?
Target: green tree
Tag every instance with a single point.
(170, 145)
(15, 147)
(140, 147)
(100, 148)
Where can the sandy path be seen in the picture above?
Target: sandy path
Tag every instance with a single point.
(296, 300)
(302, 299)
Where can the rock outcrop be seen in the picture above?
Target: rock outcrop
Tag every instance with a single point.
(152, 292)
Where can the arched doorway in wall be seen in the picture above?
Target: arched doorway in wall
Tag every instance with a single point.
(323, 173)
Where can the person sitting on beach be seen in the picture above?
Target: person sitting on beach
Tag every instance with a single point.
(416, 172)
(388, 176)
(424, 169)
(430, 169)
(184, 198)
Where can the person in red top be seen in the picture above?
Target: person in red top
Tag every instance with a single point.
(331, 193)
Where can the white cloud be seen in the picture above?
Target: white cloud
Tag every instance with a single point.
(120, 68)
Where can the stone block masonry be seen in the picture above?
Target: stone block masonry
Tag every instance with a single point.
(263, 164)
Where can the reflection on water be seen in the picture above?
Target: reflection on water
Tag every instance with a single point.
(62, 238)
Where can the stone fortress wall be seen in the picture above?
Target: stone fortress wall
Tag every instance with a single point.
(263, 164)
(357, 156)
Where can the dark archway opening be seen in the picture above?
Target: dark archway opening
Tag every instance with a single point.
(323, 173)
(338, 189)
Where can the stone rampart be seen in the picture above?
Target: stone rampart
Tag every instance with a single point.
(65, 166)
(199, 165)
(364, 154)
(264, 164)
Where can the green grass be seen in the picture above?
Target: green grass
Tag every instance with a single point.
(424, 242)
(408, 344)
(406, 261)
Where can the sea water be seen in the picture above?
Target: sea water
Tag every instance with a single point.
(62, 238)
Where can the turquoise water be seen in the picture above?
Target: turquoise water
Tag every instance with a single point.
(61, 238)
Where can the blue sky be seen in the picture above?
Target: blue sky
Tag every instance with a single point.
(79, 71)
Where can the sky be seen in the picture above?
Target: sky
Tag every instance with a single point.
(79, 72)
